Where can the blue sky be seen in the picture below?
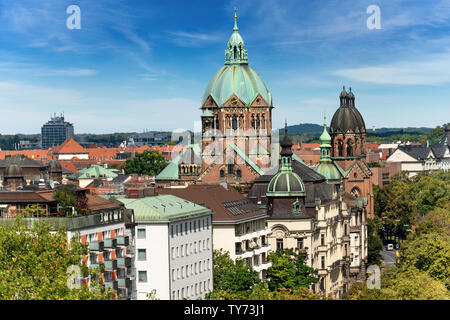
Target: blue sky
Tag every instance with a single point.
(138, 65)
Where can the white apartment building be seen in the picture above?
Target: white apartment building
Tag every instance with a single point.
(173, 247)
(239, 226)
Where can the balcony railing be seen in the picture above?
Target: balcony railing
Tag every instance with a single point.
(124, 262)
(110, 264)
(124, 282)
(96, 245)
(110, 243)
(123, 241)
(111, 284)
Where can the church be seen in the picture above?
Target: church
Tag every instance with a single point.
(320, 210)
(236, 119)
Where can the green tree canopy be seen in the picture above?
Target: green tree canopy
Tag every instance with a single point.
(34, 265)
(66, 200)
(400, 284)
(149, 162)
(236, 277)
(289, 270)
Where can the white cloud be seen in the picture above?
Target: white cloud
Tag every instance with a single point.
(429, 70)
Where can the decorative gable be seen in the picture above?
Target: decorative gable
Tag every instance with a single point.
(210, 102)
(234, 101)
(258, 102)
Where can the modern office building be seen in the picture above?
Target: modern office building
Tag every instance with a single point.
(56, 131)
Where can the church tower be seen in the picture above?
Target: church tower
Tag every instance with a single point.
(347, 129)
(236, 117)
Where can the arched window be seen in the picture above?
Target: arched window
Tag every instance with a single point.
(222, 173)
(349, 148)
(340, 148)
(234, 124)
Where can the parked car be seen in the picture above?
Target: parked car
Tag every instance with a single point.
(390, 246)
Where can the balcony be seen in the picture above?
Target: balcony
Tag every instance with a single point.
(123, 292)
(95, 265)
(123, 241)
(124, 282)
(110, 243)
(111, 284)
(124, 262)
(110, 265)
(96, 246)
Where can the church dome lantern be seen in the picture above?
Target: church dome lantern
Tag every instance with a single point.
(236, 78)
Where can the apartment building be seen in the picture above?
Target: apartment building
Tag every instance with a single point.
(239, 226)
(102, 228)
(173, 247)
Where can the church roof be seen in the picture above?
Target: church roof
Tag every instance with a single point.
(236, 77)
(347, 118)
(20, 160)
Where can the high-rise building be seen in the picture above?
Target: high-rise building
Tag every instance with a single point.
(56, 131)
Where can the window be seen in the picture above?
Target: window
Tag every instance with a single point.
(141, 234)
(322, 262)
(279, 244)
(142, 276)
(142, 254)
(322, 239)
(300, 243)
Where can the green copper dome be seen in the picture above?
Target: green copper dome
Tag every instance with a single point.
(329, 171)
(236, 76)
(286, 183)
(327, 167)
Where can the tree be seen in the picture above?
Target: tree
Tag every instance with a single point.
(35, 265)
(429, 253)
(436, 134)
(289, 270)
(66, 200)
(149, 162)
(374, 243)
(398, 284)
(34, 210)
(232, 277)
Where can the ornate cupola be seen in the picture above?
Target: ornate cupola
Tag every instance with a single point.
(235, 53)
(347, 128)
(286, 183)
(327, 168)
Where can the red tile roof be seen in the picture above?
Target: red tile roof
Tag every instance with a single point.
(69, 146)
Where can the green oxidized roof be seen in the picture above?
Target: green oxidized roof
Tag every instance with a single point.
(94, 171)
(240, 80)
(330, 171)
(286, 183)
(170, 172)
(207, 113)
(162, 208)
(236, 77)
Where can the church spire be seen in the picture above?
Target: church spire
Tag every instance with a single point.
(325, 146)
(235, 52)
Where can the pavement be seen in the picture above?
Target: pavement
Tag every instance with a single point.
(388, 257)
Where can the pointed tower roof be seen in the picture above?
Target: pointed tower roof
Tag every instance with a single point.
(286, 183)
(328, 168)
(236, 54)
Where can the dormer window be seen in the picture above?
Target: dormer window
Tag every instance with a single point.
(296, 207)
